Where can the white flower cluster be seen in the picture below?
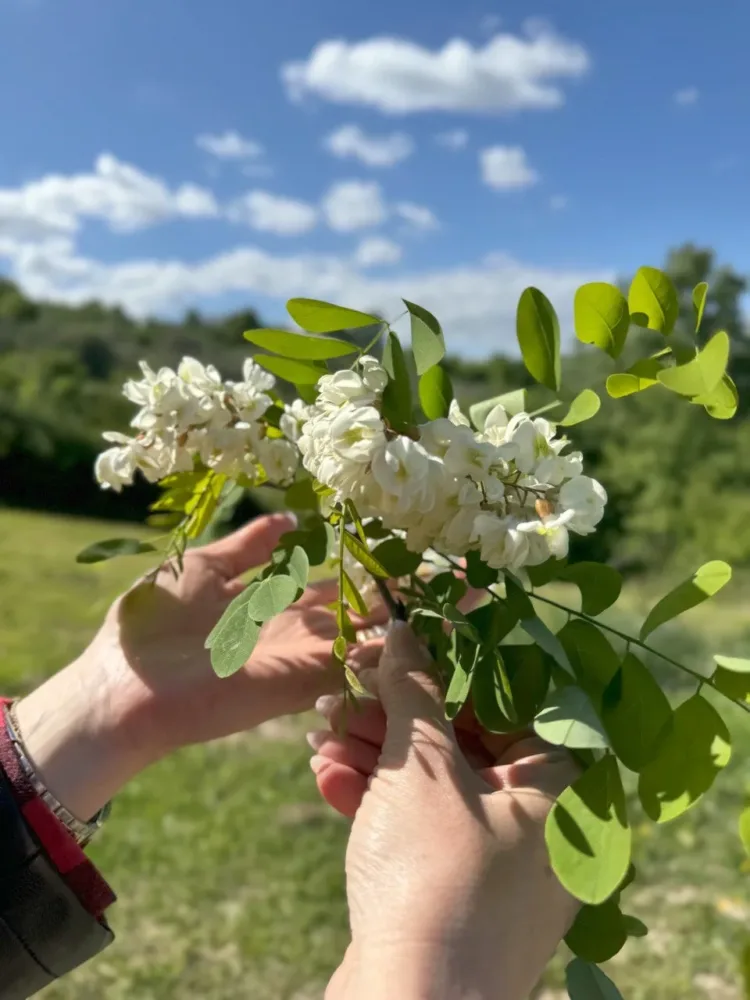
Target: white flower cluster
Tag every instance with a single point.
(192, 414)
(508, 491)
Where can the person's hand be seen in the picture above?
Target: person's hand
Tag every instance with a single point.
(145, 685)
(448, 881)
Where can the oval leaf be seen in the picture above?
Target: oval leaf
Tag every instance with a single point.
(598, 932)
(435, 393)
(585, 406)
(492, 695)
(353, 597)
(427, 341)
(704, 373)
(735, 664)
(722, 402)
(587, 982)
(464, 657)
(297, 565)
(636, 714)
(642, 375)
(542, 635)
(592, 656)
(296, 372)
(396, 559)
(704, 583)
(600, 585)
(363, 555)
(299, 346)
(272, 596)
(538, 332)
(111, 548)
(568, 719)
(397, 394)
(233, 642)
(696, 749)
(699, 301)
(652, 300)
(324, 317)
(588, 835)
(601, 316)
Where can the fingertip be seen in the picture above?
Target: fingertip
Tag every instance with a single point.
(342, 787)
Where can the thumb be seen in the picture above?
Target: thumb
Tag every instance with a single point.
(412, 699)
(249, 546)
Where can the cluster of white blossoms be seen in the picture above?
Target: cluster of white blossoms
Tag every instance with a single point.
(508, 492)
(192, 415)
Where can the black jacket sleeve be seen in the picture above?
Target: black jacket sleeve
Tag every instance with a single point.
(44, 930)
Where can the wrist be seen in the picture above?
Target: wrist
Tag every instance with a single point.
(81, 737)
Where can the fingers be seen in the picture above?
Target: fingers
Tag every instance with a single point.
(366, 723)
(532, 764)
(349, 750)
(342, 787)
(249, 546)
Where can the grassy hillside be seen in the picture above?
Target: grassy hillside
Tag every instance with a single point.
(229, 869)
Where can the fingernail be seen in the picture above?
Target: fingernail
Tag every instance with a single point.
(317, 764)
(326, 704)
(316, 739)
(288, 516)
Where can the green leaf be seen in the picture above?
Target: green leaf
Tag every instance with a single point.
(690, 758)
(518, 600)
(324, 317)
(634, 927)
(464, 657)
(396, 559)
(705, 582)
(353, 597)
(460, 622)
(397, 402)
(478, 573)
(699, 301)
(427, 341)
(492, 695)
(598, 932)
(653, 301)
(735, 664)
(588, 835)
(538, 332)
(296, 372)
(744, 828)
(363, 555)
(435, 392)
(203, 503)
(513, 402)
(732, 677)
(273, 596)
(111, 548)
(302, 496)
(536, 629)
(317, 539)
(545, 572)
(297, 565)
(636, 714)
(569, 719)
(703, 374)
(233, 641)
(638, 377)
(492, 621)
(601, 317)
(722, 402)
(528, 670)
(585, 406)
(587, 982)
(594, 660)
(340, 648)
(299, 346)
(600, 585)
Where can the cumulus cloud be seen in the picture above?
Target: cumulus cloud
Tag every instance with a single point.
(377, 251)
(116, 193)
(476, 302)
(505, 168)
(273, 213)
(418, 216)
(455, 139)
(394, 75)
(350, 142)
(229, 145)
(686, 96)
(350, 205)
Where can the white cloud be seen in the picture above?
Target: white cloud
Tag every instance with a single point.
(418, 216)
(506, 168)
(230, 145)
(508, 73)
(558, 202)
(376, 251)
(118, 194)
(351, 205)
(476, 302)
(686, 96)
(374, 150)
(271, 213)
(456, 139)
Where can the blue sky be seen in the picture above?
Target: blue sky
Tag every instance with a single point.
(173, 153)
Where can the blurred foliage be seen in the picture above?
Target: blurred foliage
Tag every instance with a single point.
(678, 481)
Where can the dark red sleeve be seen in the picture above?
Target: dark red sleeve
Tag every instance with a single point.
(81, 877)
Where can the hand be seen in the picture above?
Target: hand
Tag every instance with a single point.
(145, 685)
(448, 880)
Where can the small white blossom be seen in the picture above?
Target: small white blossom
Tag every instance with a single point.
(374, 375)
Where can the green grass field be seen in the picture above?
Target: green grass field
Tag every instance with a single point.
(229, 869)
